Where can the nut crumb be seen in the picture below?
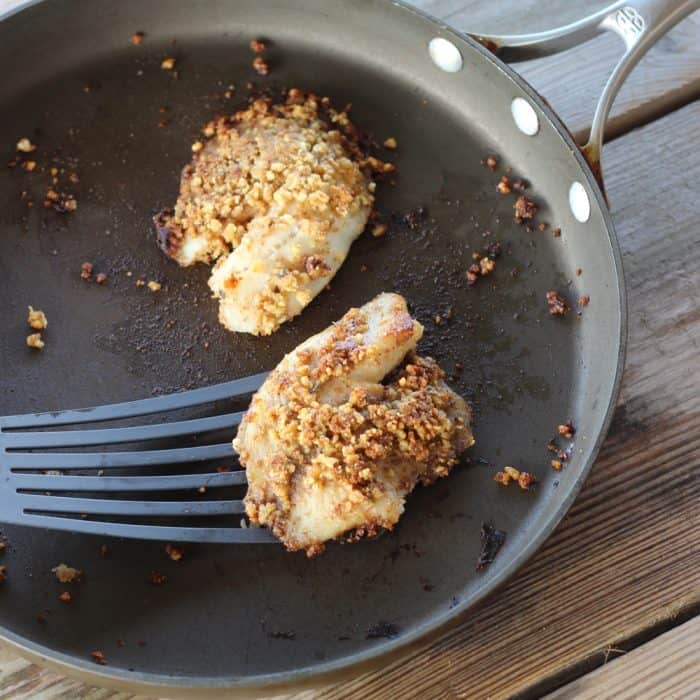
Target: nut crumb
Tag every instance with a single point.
(378, 230)
(556, 232)
(174, 552)
(34, 341)
(525, 480)
(490, 161)
(65, 597)
(86, 270)
(29, 165)
(137, 38)
(155, 286)
(100, 278)
(390, 143)
(261, 66)
(257, 45)
(556, 464)
(67, 574)
(584, 300)
(504, 185)
(104, 550)
(557, 303)
(24, 145)
(36, 318)
(168, 64)
(156, 578)
(98, 657)
(524, 208)
(567, 430)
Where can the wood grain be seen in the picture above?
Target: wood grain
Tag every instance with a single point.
(666, 78)
(667, 667)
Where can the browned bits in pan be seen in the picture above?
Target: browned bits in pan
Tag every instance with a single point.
(65, 597)
(29, 165)
(3, 546)
(174, 552)
(524, 208)
(100, 278)
(382, 630)
(566, 430)
(556, 464)
(257, 45)
(379, 230)
(3, 574)
(168, 63)
(67, 574)
(491, 542)
(491, 162)
(486, 266)
(556, 232)
(415, 217)
(473, 274)
(525, 480)
(137, 38)
(390, 143)
(86, 270)
(579, 272)
(504, 186)
(562, 455)
(157, 579)
(98, 657)
(584, 300)
(520, 185)
(261, 66)
(104, 550)
(557, 303)
(542, 226)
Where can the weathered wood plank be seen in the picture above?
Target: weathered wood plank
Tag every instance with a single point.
(666, 667)
(667, 77)
(626, 557)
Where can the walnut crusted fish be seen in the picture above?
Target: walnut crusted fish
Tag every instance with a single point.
(275, 196)
(346, 426)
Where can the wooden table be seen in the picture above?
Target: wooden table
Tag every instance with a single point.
(607, 608)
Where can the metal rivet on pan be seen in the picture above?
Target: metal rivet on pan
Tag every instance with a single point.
(579, 202)
(525, 116)
(445, 55)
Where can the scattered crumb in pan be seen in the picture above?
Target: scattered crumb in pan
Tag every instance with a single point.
(556, 232)
(168, 63)
(140, 283)
(156, 578)
(490, 161)
(390, 143)
(492, 540)
(520, 185)
(261, 66)
(98, 657)
(584, 300)
(483, 264)
(175, 552)
(556, 464)
(525, 209)
(257, 45)
(100, 278)
(34, 341)
(3, 574)
(3, 546)
(542, 226)
(137, 38)
(86, 270)
(121, 643)
(557, 303)
(383, 630)
(282, 634)
(36, 318)
(62, 202)
(562, 455)
(414, 217)
(67, 574)
(41, 617)
(504, 186)
(154, 286)
(29, 165)
(65, 597)
(524, 479)
(379, 230)
(104, 550)
(24, 145)
(566, 430)
(162, 123)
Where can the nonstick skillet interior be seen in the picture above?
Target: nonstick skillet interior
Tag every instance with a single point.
(91, 101)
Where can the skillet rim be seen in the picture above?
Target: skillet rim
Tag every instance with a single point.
(423, 633)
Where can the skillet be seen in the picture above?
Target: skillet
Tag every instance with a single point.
(236, 620)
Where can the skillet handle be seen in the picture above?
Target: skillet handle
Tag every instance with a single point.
(640, 24)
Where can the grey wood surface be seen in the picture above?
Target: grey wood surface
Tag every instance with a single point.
(608, 577)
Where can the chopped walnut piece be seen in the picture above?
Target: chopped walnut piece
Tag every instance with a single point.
(494, 250)
(155, 286)
(556, 464)
(67, 574)
(137, 38)
(504, 185)
(567, 430)
(556, 232)
(390, 143)
(24, 145)
(29, 165)
(520, 185)
(34, 341)
(473, 274)
(562, 455)
(257, 45)
(524, 208)
(174, 552)
(491, 162)
(3, 546)
(502, 478)
(100, 278)
(156, 578)
(525, 480)
(261, 66)
(557, 304)
(3, 574)
(36, 318)
(86, 270)
(65, 597)
(98, 657)
(487, 265)
(197, 146)
(512, 472)
(378, 230)
(584, 300)
(168, 64)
